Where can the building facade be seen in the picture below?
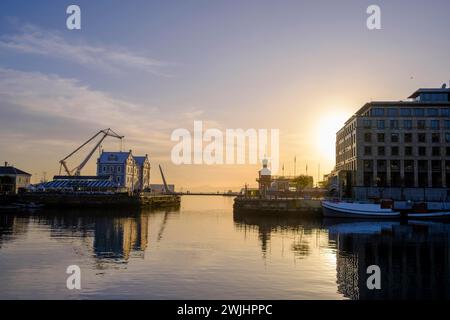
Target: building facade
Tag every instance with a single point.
(12, 180)
(143, 165)
(126, 170)
(398, 146)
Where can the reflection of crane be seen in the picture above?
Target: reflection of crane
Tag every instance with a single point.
(77, 170)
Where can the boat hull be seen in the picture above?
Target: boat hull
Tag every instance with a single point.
(333, 211)
(429, 215)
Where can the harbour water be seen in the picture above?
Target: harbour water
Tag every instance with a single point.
(205, 251)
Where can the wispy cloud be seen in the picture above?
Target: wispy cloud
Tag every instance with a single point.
(53, 97)
(32, 39)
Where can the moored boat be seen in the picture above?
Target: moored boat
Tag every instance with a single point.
(429, 215)
(357, 210)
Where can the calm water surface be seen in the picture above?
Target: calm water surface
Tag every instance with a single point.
(205, 251)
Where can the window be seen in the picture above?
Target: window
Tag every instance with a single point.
(436, 151)
(422, 151)
(408, 151)
(447, 151)
(432, 112)
(367, 137)
(392, 112)
(380, 137)
(421, 124)
(367, 124)
(381, 165)
(104, 168)
(381, 151)
(419, 112)
(394, 124)
(367, 151)
(423, 165)
(395, 165)
(118, 168)
(368, 165)
(435, 138)
(445, 112)
(377, 112)
(394, 151)
(407, 124)
(436, 165)
(408, 137)
(447, 124)
(118, 179)
(394, 137)
(111, 169)
(422, 137)
(434, 124)
(380, 124)
(409, 165)
(447, 137)
(405, 112)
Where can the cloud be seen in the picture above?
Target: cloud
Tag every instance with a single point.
(34, 40)
(50, 98)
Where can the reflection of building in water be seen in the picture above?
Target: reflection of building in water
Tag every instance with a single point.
(117, 237)
(265, 225)
(11, 226)
(413, 258)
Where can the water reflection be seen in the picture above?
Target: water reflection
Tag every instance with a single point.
(220, 253)
(115, 235)
(413, 258)
(267, 224)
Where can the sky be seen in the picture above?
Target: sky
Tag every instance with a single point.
(147, 68)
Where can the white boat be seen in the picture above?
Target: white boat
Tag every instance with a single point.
(357, 210)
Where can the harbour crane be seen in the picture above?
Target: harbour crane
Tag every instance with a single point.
(77, 170)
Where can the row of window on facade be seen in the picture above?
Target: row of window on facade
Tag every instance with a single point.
(422, 165)
(421, 137)
(425, 177)
(407, 151)
(408, 124)
(410, 112)
(118, 169)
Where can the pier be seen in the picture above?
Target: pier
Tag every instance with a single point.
(278, 205)
(79, 199)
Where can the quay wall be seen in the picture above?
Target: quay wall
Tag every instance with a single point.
(95, 200)
(293, 205)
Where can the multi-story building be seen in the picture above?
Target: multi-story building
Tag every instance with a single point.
(397, 146)
(13, 180)
(143, 165)
(126, 170)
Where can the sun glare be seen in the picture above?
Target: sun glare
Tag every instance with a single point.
(327, 126)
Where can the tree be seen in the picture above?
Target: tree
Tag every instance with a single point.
(303, 181)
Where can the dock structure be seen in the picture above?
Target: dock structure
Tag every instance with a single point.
(103, 200)
(281, 205)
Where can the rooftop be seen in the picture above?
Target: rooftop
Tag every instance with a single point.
(12, 170)
(114, 157)
(429, 90)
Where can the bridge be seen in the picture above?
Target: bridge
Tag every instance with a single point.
(223, 194)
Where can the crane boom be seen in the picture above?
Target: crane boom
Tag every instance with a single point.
(166, 187)
(106, 133)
